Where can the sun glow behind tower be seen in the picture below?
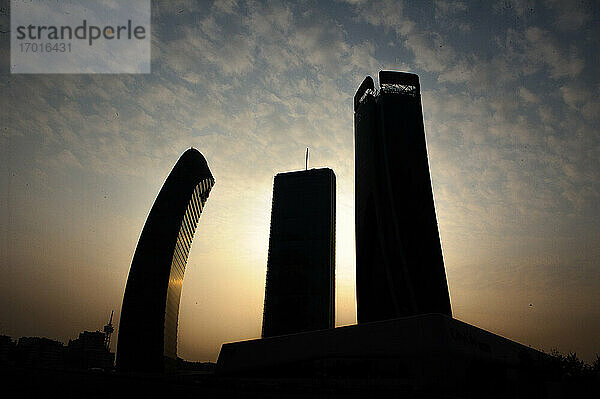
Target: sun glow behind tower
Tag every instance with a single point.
(300, 288)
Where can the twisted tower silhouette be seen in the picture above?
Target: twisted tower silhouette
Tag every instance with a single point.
(399, 263)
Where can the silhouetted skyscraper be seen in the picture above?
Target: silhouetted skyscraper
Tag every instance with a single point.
(300, 288)
(149, 316)
(399, 263)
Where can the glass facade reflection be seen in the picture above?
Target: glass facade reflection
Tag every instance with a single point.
(149, 315)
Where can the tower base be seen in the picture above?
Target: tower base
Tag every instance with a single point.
(430, 351)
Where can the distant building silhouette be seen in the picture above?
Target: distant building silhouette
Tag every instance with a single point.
(149, 315)
(88, 351)
(7, 350)
(108, 331)
(399, 264)
(300, 288)
(38, 352)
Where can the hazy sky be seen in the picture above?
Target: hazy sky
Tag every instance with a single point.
(510, 98)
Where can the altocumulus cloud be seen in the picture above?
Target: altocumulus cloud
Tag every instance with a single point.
(511, 118)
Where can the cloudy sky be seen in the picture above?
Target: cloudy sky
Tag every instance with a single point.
(512, 115)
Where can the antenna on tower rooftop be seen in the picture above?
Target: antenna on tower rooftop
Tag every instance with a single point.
(306, 161)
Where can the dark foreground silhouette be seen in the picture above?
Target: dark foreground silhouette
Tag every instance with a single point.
(568, 378)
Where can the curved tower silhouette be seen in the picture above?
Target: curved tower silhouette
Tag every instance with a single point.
(148, 326)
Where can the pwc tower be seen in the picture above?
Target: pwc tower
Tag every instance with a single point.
(150, 311)
(399, 263)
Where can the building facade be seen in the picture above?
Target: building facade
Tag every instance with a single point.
(149, 315)
(89, 351)
(39, 352)
(300, 287)
(399, 263)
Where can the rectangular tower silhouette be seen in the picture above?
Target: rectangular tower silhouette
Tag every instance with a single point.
(399, 263)
(300, 288)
